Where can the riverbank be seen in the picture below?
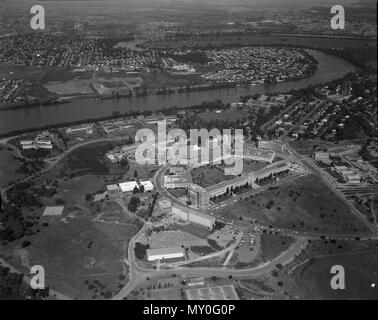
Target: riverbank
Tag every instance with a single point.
(308, 68)
(79, 111)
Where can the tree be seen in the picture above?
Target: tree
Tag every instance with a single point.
(133, 204)
(88, 197)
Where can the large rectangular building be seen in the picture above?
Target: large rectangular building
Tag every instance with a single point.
(165, 253)
(198, 196)
(126, 188)
(187, 214)
(272, 145)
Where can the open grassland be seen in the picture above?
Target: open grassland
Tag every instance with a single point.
(209, 175)
(82, 259)
(305, 204)
(312, 280)
(90, 159)
(272, 245)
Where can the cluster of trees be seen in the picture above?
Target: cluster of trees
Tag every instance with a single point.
(152, 205)
(133, 204)
(23, 195)
(232, 190)
(98, 288)
(13, 224)
(140, 250)
(271, 177)
(12, 286)
(138, 190)
(29, 166)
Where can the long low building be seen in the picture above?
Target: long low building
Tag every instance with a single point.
(259, 155)
(200, 196)
(187, 214)
(165, 253)
(271, 145)
(273, 169)
(125, 188)
(36, 144)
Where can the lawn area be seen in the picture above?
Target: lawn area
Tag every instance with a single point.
(312, 280)
(252, 165)
(194, 230)
(162, 79)
(305, 204)
(73, 191)
(79, 255)
(209, 175)
(272, 245)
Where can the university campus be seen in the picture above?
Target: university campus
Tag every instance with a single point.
(188, 151)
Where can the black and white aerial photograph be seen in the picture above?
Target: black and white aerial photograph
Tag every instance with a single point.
(192, 156)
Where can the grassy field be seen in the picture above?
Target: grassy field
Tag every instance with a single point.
(8, 167)
(162, 79)
(305, 204)
(71, 87)
(251, 165)
(272, 245)
(77, 252)
(209, 175)
(90, 159)
(312, 279)
(194, 230)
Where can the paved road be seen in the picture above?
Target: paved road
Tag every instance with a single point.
(318, 171)
(265, 268)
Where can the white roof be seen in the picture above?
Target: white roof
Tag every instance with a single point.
(112, 187)
(165, 204)
(128, 186)
(53, 211)
(147, 185)
(165, 251)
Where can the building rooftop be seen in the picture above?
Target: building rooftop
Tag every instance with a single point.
(147, 185)
(128, 186)
(53, 211)
(165, 251)
(111, 187)
(226, 183)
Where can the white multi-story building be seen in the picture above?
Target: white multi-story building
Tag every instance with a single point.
(165, 253)
(187, 214)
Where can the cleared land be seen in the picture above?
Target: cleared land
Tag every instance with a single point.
(82, 259)
(272, 245)
(305, 204)
(90, 159)
(312, 279)
(8, 167)
(209, 175)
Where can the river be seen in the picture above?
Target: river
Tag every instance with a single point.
(329, 68)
